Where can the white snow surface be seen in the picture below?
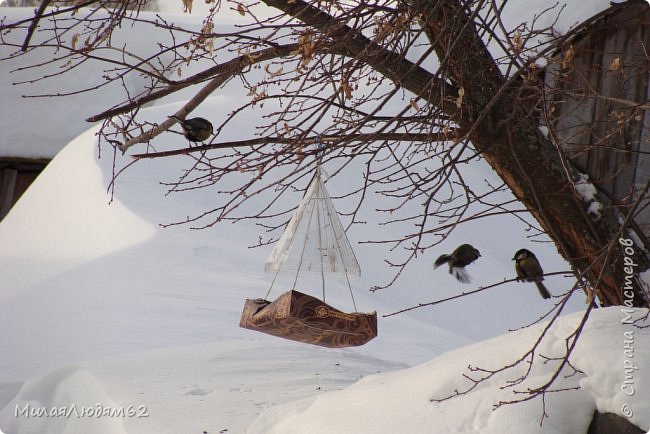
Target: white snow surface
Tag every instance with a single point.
(101, 309)
(416, 400)
(30, 127)
(99, 303)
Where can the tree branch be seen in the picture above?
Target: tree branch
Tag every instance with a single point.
(32, 26)
(430, 137)
(464, 294)
(390, 64)
(223, 71)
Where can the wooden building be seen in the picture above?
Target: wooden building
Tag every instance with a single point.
(16, 174)
(598, 105)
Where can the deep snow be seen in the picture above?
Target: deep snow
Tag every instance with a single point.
(402, 401)
(99, 304)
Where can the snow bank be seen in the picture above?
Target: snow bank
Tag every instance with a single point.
(103, 288)
(51, 122)
(65, 219)
(68, 214)
(66, 401)
(207, 387)
(402, 401)
(99, 304)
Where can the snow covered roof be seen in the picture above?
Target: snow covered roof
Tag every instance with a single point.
(39, 127)
(101, 308)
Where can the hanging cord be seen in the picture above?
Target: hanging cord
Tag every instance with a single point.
(320, 239)
(354, 304)
(320, 151)
(345, 269)
(315, 208)
(304, 244)
(277, 272)
(266, 297)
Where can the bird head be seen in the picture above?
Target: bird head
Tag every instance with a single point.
(522, 254)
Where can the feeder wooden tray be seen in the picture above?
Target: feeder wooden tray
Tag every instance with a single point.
(303, 318)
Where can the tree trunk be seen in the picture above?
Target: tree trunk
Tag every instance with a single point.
(500, 117)
(503, 123)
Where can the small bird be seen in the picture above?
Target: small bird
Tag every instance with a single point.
(195, 129)
(464, 255)
(529, 270)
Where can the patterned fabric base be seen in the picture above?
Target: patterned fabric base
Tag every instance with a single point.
(303, 318)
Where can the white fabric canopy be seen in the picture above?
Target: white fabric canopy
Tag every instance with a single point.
(314, 240)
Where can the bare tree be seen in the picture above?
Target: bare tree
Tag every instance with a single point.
(413, 90)
(334, 68)
(149, 5)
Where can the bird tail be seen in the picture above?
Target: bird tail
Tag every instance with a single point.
(442, 259)
(176, 117)
(460, 274)
(542, 290)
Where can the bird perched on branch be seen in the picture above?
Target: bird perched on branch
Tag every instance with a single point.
(195, 129)
(464, 255)
(529, 270)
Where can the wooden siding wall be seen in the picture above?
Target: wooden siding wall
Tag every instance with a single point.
(15, 177)
(596, 99)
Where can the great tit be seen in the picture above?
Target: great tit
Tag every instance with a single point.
(195, 129)
(529, 270)
(464, 255)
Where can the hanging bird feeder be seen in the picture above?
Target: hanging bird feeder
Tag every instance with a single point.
(313, 241)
